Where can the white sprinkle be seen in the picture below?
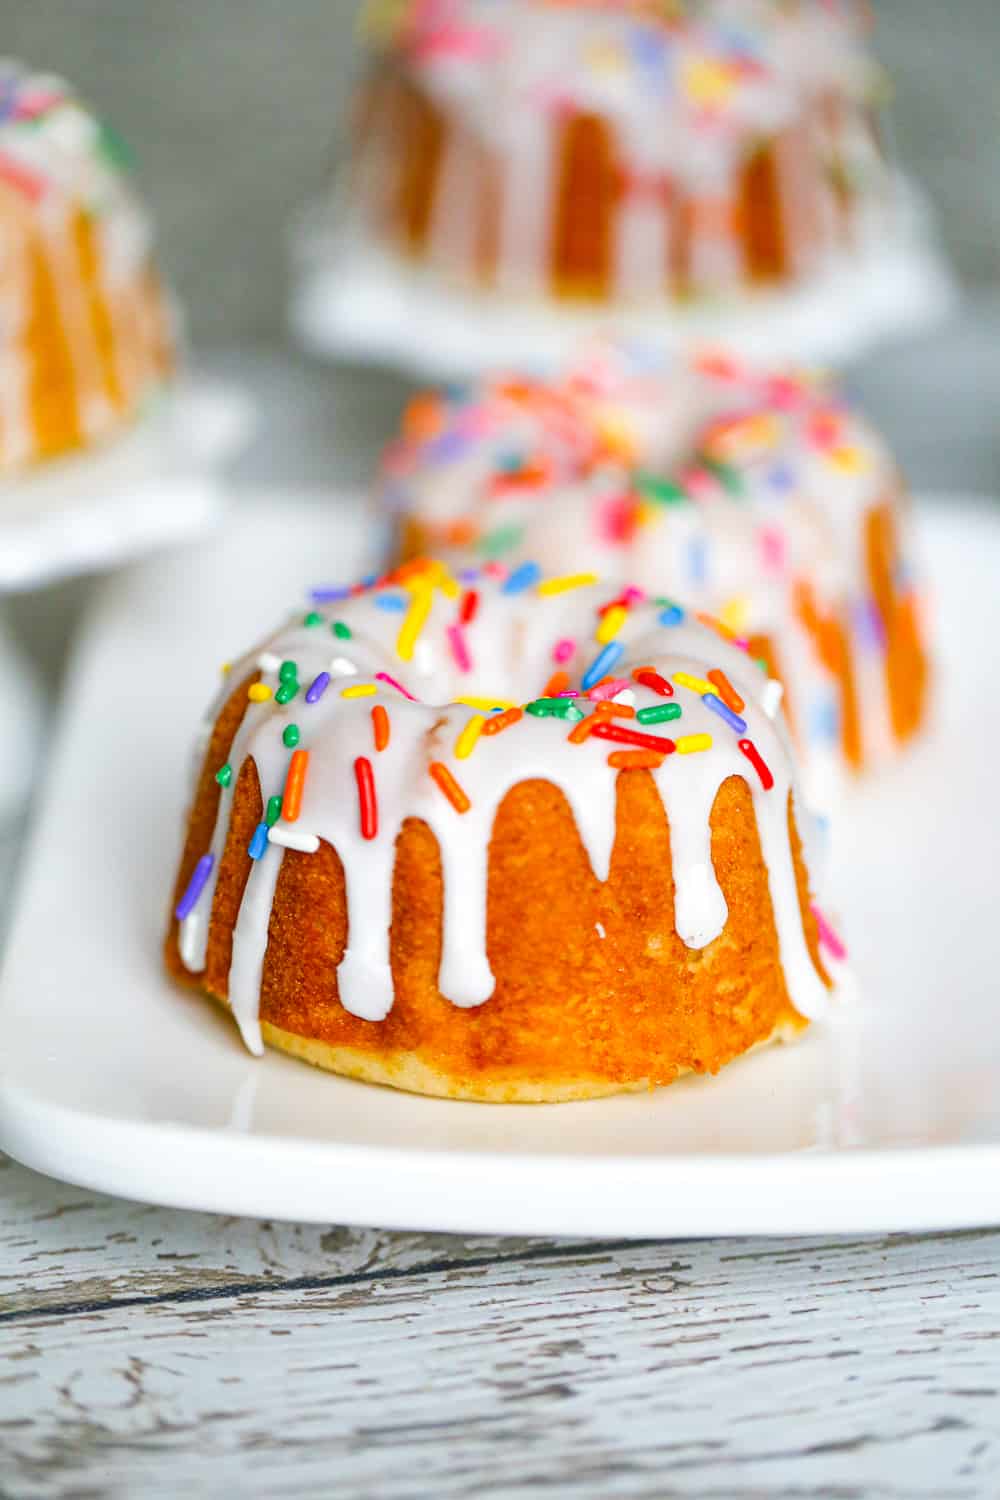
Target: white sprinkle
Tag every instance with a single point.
(268, 662)
(341, 667)
(626, 696)
(306, 843)
(599, 929)
(771, 696)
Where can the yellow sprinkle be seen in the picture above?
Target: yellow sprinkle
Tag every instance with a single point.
(359, 690)
(735, 613)
(564, 584)
(848, 459)
(696, 684)
(258, 692)
(688, 743)
(413, 623)
(466, 742)
(486, 703)
(611, 622)
(226, 668)
(448, 585)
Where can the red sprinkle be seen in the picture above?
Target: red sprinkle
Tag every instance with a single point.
(502, 721)
(467, 608)
(366, 797)
(760, 766)
(651, 679)
(605, 731)
(380, 726)
(726, 691)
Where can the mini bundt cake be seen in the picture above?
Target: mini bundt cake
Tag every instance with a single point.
(500, 837)
(622, 150)
(760, 498)
(85, 337)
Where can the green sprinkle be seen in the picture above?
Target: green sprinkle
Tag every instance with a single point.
(663, 491)
(727, 476)
(273, 811)
(291, 735)
(659, 713)
(496, 543)
(341, 631)
(762, 663)
(568, 710)
(542, 708)
(224, 774)
(286, 692)
(288, 671)
(313, 618)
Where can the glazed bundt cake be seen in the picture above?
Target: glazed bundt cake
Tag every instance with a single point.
(85, 337)
(500, 836)
(759, 498)
(622, 150)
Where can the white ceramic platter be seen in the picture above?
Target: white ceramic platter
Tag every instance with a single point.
(888, 1119)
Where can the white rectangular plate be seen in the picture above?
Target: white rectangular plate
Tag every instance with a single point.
(887, 1119)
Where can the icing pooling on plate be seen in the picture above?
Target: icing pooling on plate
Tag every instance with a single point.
(439, 640)
(728, 485)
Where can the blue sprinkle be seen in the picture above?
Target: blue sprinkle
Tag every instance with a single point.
(391, 601)
(672, 615)
(522, 578)
(697, 559)
(317, 687)
(258, 844)
(329, 595)
(781, 477)
(510, 463)
(602, 664)
(196, 885)
(824, 720)
(369, 581)
(725, 712)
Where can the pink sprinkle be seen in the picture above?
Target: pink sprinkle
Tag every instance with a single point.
(384, 677)
(608, 689)
(698, 482)
(772, 544)
(495, 569)
(569, 693)
(742, 642)
(615, 520)
(459, 650)
(828, 938)
(563, 650)
(633, 596)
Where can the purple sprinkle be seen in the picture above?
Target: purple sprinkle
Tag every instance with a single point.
(329, 595)
(870, 625)
(449, 446)
(317, 687)
(724, 712)
(196, 885)
(468, 575)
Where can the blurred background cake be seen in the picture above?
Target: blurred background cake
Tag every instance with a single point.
(86, 337)
(616, 158)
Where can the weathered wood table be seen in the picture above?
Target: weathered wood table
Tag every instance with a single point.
(147, 1351)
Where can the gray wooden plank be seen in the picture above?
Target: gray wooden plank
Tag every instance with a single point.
(706, 1369)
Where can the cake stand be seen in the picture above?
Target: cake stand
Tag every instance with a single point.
(156, 486)
(354, 299)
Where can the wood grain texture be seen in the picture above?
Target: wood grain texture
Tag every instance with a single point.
(151, 1352)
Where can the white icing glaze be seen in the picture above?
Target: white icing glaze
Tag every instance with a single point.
(771, 479)
(511, 641)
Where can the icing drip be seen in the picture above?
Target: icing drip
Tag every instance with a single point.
(440, 760)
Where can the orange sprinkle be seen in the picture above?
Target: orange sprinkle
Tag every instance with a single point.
(556, 684)
(502, 721)
(294, 783)
(581, 731)
(635, 760)
(714, 623)
(380, 726)
(449, 786)
(609, 709)
(726, 691)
